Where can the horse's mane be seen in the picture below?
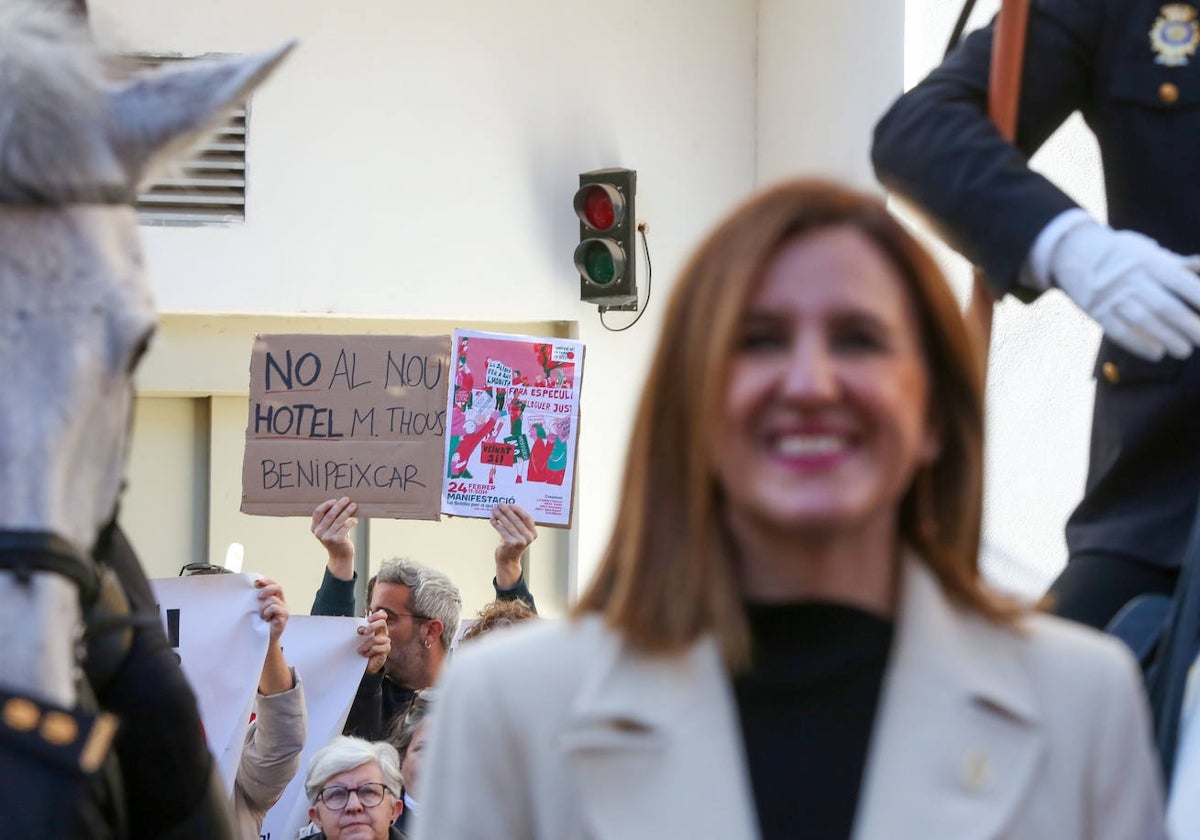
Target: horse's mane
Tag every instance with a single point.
(54, 109)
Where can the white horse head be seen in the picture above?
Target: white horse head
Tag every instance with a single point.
(76, 308)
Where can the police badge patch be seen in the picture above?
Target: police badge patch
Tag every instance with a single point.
(1175, 35)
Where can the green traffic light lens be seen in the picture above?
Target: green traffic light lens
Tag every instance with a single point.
(599, 264)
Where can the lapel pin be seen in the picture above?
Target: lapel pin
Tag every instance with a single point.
(976, 772)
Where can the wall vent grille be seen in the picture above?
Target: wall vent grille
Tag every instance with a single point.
(208, 187)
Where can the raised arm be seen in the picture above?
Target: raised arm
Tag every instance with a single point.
(332, 522)
(271, 755)
(517, 531)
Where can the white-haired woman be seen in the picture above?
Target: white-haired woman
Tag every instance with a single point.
(353, 788)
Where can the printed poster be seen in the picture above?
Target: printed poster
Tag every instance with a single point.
(513, 425)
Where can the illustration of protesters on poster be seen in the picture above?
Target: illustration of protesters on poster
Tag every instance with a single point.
(514, 425)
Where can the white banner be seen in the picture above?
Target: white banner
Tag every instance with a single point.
(324, 652)
(212, 622)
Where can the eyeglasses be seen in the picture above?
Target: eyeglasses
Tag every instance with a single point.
(203, 569)
(392, 616)
(337, 797)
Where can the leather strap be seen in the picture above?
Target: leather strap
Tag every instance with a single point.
(1008, 56)
(26, 552)
(1004, 94)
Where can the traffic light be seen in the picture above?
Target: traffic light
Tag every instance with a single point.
(606, 257)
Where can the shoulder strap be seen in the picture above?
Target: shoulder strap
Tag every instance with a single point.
(1004, 93)
(959, 26)
(1008, 55)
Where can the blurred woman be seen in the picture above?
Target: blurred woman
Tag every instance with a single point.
(788, 635)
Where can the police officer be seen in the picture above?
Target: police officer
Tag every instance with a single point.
(1131, 68)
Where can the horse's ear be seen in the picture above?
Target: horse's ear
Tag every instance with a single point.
(160, 115)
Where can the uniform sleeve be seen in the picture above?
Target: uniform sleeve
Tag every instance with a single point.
(937, 148)
(335, 596)
(1125, 798)
(271, 756)
(471, 785)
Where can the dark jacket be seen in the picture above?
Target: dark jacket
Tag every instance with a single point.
(936, 148)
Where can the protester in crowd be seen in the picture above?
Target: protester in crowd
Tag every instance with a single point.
(275, 737)
(408, 736)
(353, 789)
(420, 605)
(788, 634)
(495, 615)
(1125, 67)
(279, 725)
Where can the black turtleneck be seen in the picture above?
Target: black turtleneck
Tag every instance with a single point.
(807, 708)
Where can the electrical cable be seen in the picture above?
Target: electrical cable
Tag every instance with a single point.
(641, 228)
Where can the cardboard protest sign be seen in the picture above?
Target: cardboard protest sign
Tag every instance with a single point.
(356, 415)
(212, 622)
(324, 652)
(513, 409)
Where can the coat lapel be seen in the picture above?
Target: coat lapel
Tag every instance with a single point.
(957, 737)
(656, 748)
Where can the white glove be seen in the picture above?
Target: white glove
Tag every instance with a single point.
(1143, 296)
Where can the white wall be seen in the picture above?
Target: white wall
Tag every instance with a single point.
(826, 72)
(417, 161)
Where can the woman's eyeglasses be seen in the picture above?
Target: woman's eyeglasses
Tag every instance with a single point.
(336, 797)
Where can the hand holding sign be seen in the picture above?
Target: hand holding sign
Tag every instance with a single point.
(377, 644)
(517, 531)
(332, 522)
(272, 608)
(276, 676)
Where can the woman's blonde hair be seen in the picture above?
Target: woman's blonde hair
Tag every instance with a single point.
(668, 574)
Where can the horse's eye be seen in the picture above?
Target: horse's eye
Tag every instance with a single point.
(139, 350)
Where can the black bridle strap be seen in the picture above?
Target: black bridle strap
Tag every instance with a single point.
(26, 552)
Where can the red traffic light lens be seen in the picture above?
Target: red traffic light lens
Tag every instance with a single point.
(599, 206)
(598, 209)
(599, 261)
